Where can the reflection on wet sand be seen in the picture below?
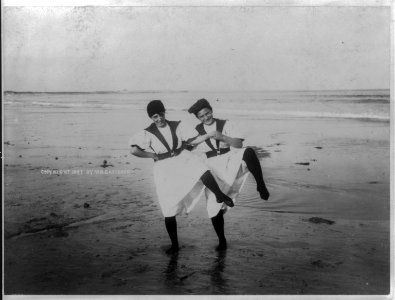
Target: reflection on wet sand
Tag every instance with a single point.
(171, 276)
(218, 281)
(175, 280)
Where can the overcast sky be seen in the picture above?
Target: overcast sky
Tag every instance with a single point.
(195, 48)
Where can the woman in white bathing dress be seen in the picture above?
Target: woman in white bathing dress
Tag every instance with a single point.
(180, 177)
(222, 146)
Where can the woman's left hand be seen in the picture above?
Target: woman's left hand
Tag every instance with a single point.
(216, 135)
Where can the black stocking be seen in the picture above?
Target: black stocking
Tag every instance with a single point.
(209, 181)
(218, 223)
(171, 227)
(254, 167)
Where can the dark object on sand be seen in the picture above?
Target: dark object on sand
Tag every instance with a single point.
(105, 165)
(56, 158)
(86, 205)
(318, 147)
(303, 163)
(318, 220)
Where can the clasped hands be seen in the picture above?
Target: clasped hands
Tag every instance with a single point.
(199, 139)
(215, 135)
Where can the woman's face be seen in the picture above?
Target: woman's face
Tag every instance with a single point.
(205, 115)
(159, 119)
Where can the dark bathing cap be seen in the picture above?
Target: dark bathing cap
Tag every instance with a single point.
(198, 106)
(155, 107)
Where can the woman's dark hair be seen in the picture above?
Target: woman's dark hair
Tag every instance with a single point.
(155, 107)
(198, 106)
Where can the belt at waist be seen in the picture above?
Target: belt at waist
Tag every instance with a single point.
(170, 154)
(213, 153)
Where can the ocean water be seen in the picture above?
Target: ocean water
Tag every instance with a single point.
(369, 105)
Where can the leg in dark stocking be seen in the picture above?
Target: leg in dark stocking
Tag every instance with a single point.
(218, 223)
(171, 227)
(209, 181)
(254, 167)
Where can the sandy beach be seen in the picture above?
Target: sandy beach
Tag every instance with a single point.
(75, 226)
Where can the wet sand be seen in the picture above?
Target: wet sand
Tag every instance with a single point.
(69, 231)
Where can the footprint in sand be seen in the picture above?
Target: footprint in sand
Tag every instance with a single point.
(321, 264)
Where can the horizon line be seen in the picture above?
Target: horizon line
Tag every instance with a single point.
(182, 91)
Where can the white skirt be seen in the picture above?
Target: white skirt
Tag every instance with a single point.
(178, 184)
(230, 172)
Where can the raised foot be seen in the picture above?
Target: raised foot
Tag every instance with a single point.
(264, 193)
(225, 199)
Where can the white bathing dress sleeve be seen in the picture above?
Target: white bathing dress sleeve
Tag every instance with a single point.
(142, 140)
(186, 131)
(233, 130)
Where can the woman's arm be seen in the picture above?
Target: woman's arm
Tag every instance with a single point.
(136, 151)
(198, 140)
(233, 142)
